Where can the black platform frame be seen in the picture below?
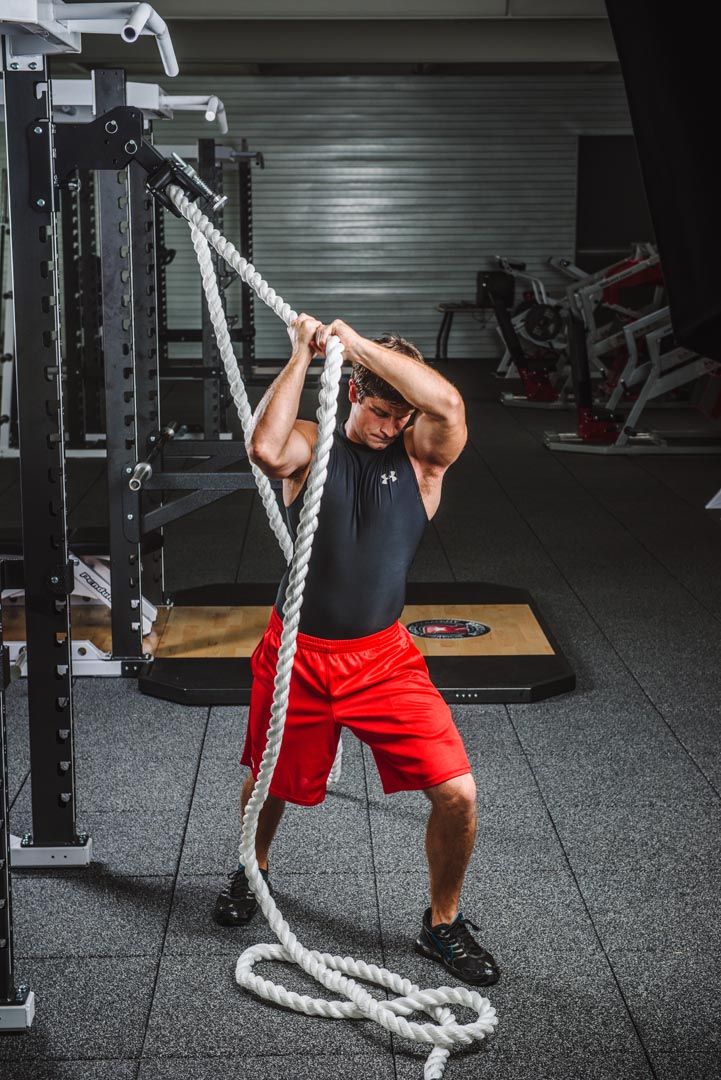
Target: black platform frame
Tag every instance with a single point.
(460, 679)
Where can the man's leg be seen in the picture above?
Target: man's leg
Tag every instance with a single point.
(445, 935)
(450, 836)
(268, 821)
(236, 904)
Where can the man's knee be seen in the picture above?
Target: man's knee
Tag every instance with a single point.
(457, 796)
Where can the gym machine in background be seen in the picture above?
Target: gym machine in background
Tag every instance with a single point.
(634, 354)
(606, 346)
(531, 333)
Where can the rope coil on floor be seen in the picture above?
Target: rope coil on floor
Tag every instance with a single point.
(336, 973)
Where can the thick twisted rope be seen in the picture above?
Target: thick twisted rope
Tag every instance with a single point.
(236, 384)
(337, 973)
(240, 398)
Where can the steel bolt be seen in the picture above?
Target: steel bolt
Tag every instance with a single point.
(32, 65)
(38, 130)
(40, 202)
(54, 580)
(128, 470)
(111, 127)
(130, 517)
(14, 66)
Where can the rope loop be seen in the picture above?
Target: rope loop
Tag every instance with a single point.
(342, 975)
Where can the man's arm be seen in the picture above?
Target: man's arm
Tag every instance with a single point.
(439, 431)
(282, 445)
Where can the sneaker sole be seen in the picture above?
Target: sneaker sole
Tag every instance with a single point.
(227, 922)
(221, 920)
(487, 980)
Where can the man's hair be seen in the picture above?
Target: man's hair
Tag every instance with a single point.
(369, 384)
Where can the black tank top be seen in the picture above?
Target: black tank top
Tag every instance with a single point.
(371, 522)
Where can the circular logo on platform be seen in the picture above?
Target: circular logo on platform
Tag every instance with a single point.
(448, 629)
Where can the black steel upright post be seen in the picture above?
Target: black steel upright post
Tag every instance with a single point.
(163, 258)
(4, 234)
(13, 998)
(48, 573)
(3, 223)
(247, 309)
(7, 419)
(116, 242)
(212, 173)
(147, 375)
(7, 976)
(72, 311)
(90, 306)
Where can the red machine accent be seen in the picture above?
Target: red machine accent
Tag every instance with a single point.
(651, 275)
(594, 428)
(537, 385)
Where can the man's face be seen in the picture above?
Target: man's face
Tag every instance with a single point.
(377, 421)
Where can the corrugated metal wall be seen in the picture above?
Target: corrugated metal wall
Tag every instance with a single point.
(384, 195)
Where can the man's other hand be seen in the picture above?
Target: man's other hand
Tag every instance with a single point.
(349, 338)
(302, 332)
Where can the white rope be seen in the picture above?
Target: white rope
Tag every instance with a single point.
(236, 384)
(337, 973)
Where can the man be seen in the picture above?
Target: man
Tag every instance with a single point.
(356, 666)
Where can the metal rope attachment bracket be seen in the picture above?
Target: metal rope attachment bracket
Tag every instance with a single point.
(112, 141)
(166, 171)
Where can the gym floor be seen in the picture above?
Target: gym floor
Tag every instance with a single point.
(597, 869)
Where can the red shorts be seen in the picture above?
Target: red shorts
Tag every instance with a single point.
(378, 687)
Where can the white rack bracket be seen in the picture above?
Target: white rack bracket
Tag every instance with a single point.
(34, 28)
(20, 1016)
(24, 853)
(88, 659)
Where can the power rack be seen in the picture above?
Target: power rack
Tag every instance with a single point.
(44, 161)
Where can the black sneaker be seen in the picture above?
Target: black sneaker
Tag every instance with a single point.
(236, 903)
(454, 946)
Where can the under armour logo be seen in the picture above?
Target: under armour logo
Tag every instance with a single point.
(389, 477)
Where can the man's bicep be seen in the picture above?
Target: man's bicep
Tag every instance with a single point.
(296, 454)
(298, 451)
(304, 434)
